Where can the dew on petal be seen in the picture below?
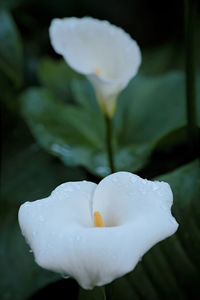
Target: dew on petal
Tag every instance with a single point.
(65, 276)
(114, 179)
(144, 181)
(133, 179)
(78, 186)
(155, 187)
(172, 220)
(66, 245)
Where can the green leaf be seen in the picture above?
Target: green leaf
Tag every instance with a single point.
(177, 136)
(65, 84)
(74, 130)
(57, 76)
(74, 136)
(10, 48)
(151, 107)
(170, 270)
(27, 173)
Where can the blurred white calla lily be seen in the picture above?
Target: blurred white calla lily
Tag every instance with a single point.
(130, 214)
(105, 53)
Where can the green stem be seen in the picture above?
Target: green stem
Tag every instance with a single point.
(190, 21)
(108, 122)
(103, 292)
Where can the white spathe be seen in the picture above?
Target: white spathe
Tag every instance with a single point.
(60, 229)
(105, 53)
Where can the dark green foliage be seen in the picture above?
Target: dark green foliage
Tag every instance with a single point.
(170, 270)
(148, 112)
(68, 139)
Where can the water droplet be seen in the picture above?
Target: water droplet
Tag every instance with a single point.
(144, 181)
(173, 220)
(31, 251)
(78, 186)
(114, 179)
(155, 187)
(133, 179)
(68, 189)
(65, 276)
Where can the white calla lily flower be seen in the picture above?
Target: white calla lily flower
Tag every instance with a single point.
(105, 53)
(97, 233)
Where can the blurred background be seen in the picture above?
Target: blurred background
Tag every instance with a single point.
(30, 169)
